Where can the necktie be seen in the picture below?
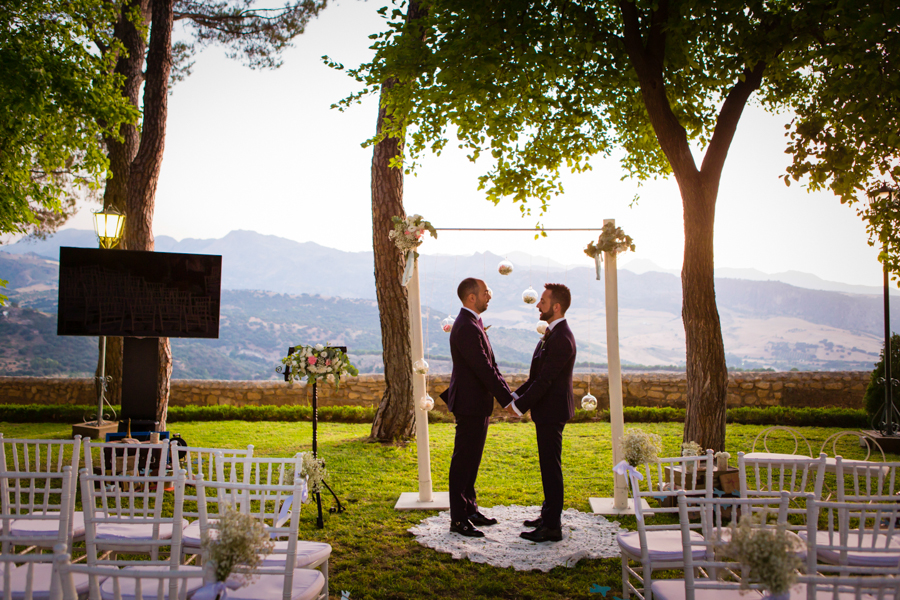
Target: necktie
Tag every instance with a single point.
(480, 324)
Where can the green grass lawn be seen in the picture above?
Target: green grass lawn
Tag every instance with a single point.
(375, 557)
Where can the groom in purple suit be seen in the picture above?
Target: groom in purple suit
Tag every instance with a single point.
(548, 395)
(474, 384)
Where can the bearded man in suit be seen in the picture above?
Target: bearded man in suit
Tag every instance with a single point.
(474, 383)
(548, 395)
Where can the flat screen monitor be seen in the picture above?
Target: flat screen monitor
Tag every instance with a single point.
(132, 293)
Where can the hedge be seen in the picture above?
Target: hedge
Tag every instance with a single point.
(772, 415)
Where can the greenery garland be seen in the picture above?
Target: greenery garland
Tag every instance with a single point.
(612, 239)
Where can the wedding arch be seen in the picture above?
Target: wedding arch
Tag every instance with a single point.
(408, 235)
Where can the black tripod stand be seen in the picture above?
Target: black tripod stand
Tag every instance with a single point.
(286, 371)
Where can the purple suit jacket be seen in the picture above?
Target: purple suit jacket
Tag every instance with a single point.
(475, 380)
(548, 392)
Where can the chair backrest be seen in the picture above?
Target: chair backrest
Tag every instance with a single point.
(820, 586)
(20, 576)
(265, 509)
(126, 584)
(859, 481)
(722, 571)
(853, 538)
(42, 456)
(118, 459)
(664, 478)
(796, 436)
(862, 439)
(120, 502)
(41, 505)
(201, 461)
(256, 471)
(771, 477)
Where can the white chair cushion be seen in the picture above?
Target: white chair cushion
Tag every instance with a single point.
(149, 587)
(861, 467)
(857, 556)
(41, 577)
(798, 592)
(46, 527)
(664, 545)
(308, 553)
(307, 584)
(133, 532)
(774, 456)
(673, 589)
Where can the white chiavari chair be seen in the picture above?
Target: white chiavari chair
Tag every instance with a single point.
(863, 481)
(658, 546)
(121, 459)
(276, 471)
(24, 500)
(197, 461)
(44, 456)
(780, 431)
(770, 477)
(278, 577)
(709, 573)
(131, 583)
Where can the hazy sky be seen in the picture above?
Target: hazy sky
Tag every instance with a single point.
(262, 150)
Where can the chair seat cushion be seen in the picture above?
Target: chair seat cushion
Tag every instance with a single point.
(49, 528)
(307, 584)
(861, 467)
(308, 553)
(774, 456)
(799, 592)
(190, 537)
(664, 545)
(877, 552)
(673, 589)
(149, 587)
(41, 577)
(133, 532)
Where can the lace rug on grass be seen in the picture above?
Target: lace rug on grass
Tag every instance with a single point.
(585, 535)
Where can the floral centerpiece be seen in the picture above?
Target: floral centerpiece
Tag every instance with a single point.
(722, 460)
(318, 362)
(239, 540)
(407, 235)
(769, 555)
(613, 240)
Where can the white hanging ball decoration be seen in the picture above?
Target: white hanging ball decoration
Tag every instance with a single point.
(426, 403)
(530, 296)
(420, 367)
(542, 327)
(505, 267)
(447, 324)
(589, 402)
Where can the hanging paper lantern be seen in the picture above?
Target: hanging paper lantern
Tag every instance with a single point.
(530, 296)
(589, 402)
(447, 324)
(420, 367)
(426, 403)
(505, 267)
(542, 327)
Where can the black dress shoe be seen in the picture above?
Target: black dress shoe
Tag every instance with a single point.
(465, 528)
(481, 520)
(535, 523)
(543, 534)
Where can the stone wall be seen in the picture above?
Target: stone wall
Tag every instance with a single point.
(789, 389)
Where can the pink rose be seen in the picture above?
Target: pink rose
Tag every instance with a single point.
(328, 363)
(311, 360)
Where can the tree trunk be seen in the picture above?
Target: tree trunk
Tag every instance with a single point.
(121, 153)
(395, 417)
(707, 375)
(147, 163)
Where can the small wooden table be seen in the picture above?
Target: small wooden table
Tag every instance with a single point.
(726, 480)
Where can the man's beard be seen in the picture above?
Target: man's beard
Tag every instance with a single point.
(481, 307)
(546, 316)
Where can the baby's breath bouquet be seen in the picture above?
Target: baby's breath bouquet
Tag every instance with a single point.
(769, 555)
(313, 469)
(640, 447)
(239, 540)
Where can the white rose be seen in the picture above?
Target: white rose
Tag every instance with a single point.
(320, 347)
(412, 228)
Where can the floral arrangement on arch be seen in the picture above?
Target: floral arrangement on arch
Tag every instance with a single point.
(612, 239)
(319, 362)
(408, 232)
(640, 447)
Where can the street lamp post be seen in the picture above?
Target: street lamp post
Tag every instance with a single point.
(108, 225)
(887, 426)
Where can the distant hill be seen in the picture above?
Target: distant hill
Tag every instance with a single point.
(309, 293)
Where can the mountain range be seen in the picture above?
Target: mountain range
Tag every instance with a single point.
(277, 292)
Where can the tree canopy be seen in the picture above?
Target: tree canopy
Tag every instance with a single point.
(59, 99)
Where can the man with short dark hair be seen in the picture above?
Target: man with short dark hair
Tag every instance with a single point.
(474, 383)
(549, 396)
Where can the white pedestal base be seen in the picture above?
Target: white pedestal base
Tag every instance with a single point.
(605, 506)
(410, 501)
